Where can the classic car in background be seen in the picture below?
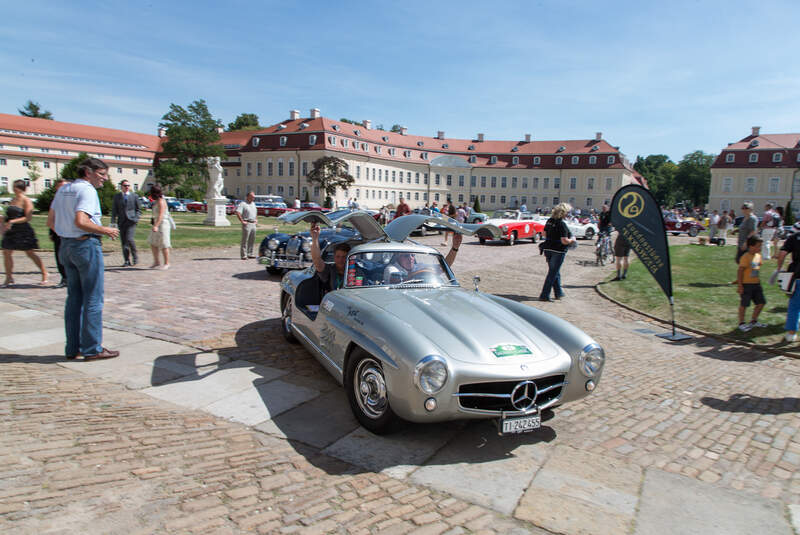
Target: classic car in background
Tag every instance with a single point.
(174, 205)
(677, 226)
(280, 251)
(312, 206)
(201, 206)
(472, 355)
(515, 225)
(582, 230)
(272, 209)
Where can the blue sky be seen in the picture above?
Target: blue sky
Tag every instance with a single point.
(654, 77)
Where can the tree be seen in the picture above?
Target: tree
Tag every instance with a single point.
(192, 137)
(70, 170)
(476, 206)
(659, 171)
(34, 172)
(32, 109)
(330, 173)
(350, 121)
(307, 197)
(693, 178)
(245, 121)
(396, 128)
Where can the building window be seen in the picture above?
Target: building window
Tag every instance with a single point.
(494, 181)
(727, 184)
(47, 182)
(238, 172)
(393, 176)
(269, 167)
(436, 179)
(503, 182)
(258, 169)
(358, 171)
(493, 159)
(492, 199)
(3, 161)
(573, 183)
(435, 196)
(524, 182)
(416, 178)
(424, 155)
(378, 149)
(312, 139)
(280, 167)
(483, 199)
(46, 165)
(449, 180)
(408, 176)
(473, 159)
(135, 171)
(546, 182)
(249, 169)
(556, 182)
(513, 182)
(332, 140)
(777, 157)
(590, 183)
(588, 202)
(730, 157)
(575, 160)
(559, 160)
(750, 184)
(774, 184)
(345, 143)
(305, 168)
(26, 163)
(291, 167)
(502, 200)
(460, 197)
(483, 181)
(282, 141)
(556, 200)
(316, 191)
(280, 190)
(365, 147)
(610, 160)
(515, 160)
(592, 160)
(537, 160)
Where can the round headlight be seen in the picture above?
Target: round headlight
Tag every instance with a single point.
(272, 244)
(306, 246)
(592, 360)
(430, 374)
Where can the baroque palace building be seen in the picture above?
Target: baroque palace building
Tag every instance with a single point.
(761, 168)
(27, 143)
(386, 165)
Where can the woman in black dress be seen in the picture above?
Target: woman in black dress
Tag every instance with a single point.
(18, 234)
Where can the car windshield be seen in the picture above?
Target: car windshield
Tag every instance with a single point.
(504, 214)
(398, 269)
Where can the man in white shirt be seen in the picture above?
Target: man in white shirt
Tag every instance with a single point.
(248, 217)
(768, 228)
(296, 203)
(712, 223)
(75, 216)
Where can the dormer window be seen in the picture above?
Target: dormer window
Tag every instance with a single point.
(312, 139)
(562, 148)
(515, 160)
(559, 160)
(473, 159)
(798, 156)
(611, 160)
(420, 143)
(407, 153)
(255, 141)
(471, 147)
(332, 140)
(282, 141)
(303, 126)
(777, 157)
(281, 126)
(423, 155)
(364, 147)
(335, 127)
(392, 151)
(754, 143)
(753, 158)
(515, 149)
(730, 157)
(592, 160)
(345, 143)
(493, 159)
(357, 132)
(537, 160)
(385, 139)
(378, 149)
(575, 160)
(594, 148)
(445, 146)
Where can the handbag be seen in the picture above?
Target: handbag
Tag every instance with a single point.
(787, 281)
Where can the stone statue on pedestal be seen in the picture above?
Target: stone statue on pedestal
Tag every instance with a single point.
(215, 202)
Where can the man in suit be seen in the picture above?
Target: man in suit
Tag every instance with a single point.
(125, 212)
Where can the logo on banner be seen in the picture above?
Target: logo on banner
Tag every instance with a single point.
(630, 205)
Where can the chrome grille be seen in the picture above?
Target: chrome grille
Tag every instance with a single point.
(293, 247)
(496, 396)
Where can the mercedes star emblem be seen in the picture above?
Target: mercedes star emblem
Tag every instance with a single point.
(523, 397)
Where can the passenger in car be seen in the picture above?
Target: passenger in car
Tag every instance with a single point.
(330, 275)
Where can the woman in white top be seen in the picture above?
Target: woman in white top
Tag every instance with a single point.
(159, 238)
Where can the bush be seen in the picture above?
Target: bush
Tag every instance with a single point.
(328, 202)
(788, 215)
(106, 194)
(45, 198)
(477, 206)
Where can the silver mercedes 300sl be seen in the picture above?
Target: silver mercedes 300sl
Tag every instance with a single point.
(408, 343)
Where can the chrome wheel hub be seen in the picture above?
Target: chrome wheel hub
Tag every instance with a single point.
(370, 388)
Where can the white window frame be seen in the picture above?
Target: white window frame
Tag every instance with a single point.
(777, 157)
(750, 184)
(559, 160)
(730, 157)
(727, 184)
(282, 141)
(575, 160)
(774, 184)
(753, 157)
(537, 160)
(493, 159)
(592, 160)
(611, 159)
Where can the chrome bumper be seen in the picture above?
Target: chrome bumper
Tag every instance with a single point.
(277, 261)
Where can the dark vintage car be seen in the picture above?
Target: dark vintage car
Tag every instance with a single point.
(280, 251)
(676, 226)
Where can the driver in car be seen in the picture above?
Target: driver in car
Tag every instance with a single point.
(404, 264)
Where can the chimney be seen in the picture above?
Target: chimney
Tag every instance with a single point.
(403, 130)
(294, 115)
(220, 130)
(439, 135)
(162, 132)
(480, 137)
(315, 113)
(367, 124)
(527, 138)
(756, 130)
(598, 136)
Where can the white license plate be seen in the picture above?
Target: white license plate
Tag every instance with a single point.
(523, 424)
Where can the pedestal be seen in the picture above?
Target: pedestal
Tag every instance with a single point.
(216, 213)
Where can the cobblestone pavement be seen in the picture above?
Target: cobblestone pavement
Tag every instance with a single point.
(707, 410)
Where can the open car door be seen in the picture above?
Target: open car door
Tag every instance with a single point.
(362, 221)
(401, 227)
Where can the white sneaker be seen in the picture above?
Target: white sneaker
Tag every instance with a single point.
(790, 337)
(757, 325)
(744, 327)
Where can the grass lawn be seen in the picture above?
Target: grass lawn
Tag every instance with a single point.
(189, 231)
(704, 299)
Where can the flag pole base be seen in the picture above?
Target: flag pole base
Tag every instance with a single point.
(674, 336)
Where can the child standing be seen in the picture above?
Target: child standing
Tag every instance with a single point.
(749, 285)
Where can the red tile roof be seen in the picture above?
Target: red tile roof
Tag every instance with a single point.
(765, 145)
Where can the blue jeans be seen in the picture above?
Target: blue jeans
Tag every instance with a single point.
(793, 314)
(553, 279)
(83, 313)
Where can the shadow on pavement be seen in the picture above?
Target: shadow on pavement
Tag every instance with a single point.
(289, 394)
(260, 275)
(753, 404)
(11, 358)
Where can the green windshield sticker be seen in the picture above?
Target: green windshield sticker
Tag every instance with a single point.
(509, 350)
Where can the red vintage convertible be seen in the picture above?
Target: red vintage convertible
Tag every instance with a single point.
(198, 206)
(676, 226)
(515, 225)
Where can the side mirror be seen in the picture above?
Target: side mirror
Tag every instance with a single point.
(476, 280)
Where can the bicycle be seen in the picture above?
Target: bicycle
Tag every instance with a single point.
(603, 249)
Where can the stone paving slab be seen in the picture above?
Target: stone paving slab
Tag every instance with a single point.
(26, 341)
(672, 503)
(260, 403)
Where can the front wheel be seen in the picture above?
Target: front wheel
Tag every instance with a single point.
(512, 238)
(482, 241)
(589, 233)
(274, 271)
(367, 393)
(286, 319)
(693, 232)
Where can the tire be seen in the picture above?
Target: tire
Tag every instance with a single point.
(512, 238)
(693, 231)
(366, 391)
(676, 233)
(286, 318)
(274, 271)
(589, 234)
(482, 241)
